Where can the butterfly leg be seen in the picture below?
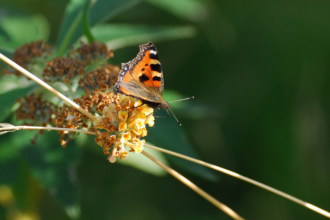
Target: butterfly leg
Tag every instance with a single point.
(159, 115)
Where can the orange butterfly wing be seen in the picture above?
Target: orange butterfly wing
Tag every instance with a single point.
(143, 76)
(149, 71)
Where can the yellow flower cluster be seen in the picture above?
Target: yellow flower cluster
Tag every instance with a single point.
(125, 122)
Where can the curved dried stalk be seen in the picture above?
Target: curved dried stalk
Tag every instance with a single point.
(10, 128)
(195, 188)
(246, 179)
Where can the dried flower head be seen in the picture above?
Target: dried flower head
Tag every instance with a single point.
(30, 55)
(89, 53)
(125, 123)
(34, 108)
(100, 79)
(63, 69)
(35, 111)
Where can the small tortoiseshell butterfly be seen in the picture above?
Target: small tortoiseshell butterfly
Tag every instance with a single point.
(143, 78)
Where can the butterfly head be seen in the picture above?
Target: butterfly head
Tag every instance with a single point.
(165, 105)
(159, 102)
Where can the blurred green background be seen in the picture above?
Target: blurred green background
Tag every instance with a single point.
(259, 71)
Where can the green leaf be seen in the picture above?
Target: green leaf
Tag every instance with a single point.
(139, 161)
(71, 22)
(197, 111)
(55, 169)
(191, 108)
(102, 10)
(194, 10)
(24, 29)
(12, 82)
(122, 35)
(169, 135)
(7, 151)
(86, 25)
(4, 34)
(8, 101)
(7, 47)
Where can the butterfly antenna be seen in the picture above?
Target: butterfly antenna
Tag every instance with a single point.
(178, 101)
(173, 116)
(182, 99)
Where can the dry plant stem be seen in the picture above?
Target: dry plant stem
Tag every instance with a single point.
(221, 206)
(192, 186)
(238, 176)
(185, 180)
(15, 128)
(45, 85)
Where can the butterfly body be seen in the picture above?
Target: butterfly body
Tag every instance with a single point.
(143, 78)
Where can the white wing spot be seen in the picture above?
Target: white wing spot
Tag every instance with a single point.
(153, 52)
